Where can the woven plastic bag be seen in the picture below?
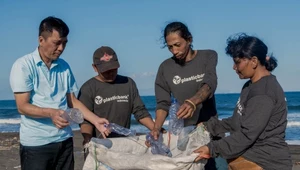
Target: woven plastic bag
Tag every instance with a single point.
(130, 153)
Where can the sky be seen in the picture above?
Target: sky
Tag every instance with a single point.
(133, 28)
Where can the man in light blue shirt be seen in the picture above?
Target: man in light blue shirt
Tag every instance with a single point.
(44, 86)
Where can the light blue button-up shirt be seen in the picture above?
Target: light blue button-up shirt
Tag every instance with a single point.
(48, 88)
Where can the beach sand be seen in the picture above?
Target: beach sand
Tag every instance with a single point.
(9, 152)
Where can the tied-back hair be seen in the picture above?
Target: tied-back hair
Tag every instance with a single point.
(244, 46)
(176, 27)
(52, 23)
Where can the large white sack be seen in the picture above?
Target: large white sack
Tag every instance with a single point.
(132, 153)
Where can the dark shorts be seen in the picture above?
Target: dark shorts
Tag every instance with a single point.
(216, 164)
(53, 156)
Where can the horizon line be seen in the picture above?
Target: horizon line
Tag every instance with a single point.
(154, 95)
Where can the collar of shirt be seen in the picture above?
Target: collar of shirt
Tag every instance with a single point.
(38, 60)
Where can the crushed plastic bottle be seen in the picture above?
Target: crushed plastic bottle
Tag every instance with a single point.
(183, 137)
(120, 130)
(105, 142)
(73, 115)
(175, 124)
(157, 146)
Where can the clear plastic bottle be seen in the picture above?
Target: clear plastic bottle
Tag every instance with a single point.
(175, 124)
(120, 130)
(105, 142)
(73, 115)
(183, 137)
(157, 146)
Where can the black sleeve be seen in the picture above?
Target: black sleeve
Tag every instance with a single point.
(253, 122)
(162, 91)
(210, 77)
(85, 97)
(217, 127)
(138, 109)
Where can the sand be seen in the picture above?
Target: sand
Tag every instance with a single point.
(9, 152)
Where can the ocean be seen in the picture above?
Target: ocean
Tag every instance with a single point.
(10, 118)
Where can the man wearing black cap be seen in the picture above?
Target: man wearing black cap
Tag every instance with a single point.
(111, 96)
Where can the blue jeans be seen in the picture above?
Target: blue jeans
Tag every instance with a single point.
(53, 156)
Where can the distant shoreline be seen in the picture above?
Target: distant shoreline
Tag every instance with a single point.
(154, 95)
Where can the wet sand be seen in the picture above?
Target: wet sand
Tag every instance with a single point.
(9, 152)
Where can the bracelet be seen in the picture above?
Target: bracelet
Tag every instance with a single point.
(190, 102)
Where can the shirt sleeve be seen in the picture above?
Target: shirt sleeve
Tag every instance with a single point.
(253, 122)
(20, 77)
(162, 91)
(217, 127)
(138, 109)
(85, 97)
(210, 77)
(72, 85)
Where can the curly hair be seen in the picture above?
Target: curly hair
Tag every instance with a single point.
(244, 46)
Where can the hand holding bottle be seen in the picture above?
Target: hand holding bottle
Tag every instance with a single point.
(157, 146)
(73, 115)
(100, 125)
(55, 115)
(112, 127)
(187, 109)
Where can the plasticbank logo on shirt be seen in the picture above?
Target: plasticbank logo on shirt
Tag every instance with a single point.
(239, 107)
(177, 79)
(99, 100)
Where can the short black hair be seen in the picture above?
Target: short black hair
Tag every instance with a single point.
(48, 24)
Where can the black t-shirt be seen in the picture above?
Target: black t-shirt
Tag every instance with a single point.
(183, 82)
(114, 101)
(257, 127)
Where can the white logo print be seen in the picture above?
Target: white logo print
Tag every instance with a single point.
(176, 80)
(98, 100)
(240, 107)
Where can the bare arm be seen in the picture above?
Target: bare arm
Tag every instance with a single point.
(27, 109)
(159, 121)
(87, 132)
(203, 94)
(148, 122)
(87, 114)
(187, 108)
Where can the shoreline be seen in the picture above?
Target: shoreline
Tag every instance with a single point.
(9, 151)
